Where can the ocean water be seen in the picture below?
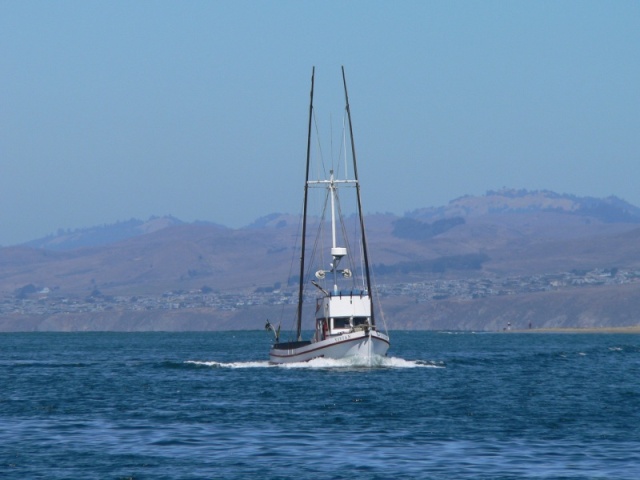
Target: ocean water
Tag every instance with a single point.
(442, 405)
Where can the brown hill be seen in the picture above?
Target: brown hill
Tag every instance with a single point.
(178, 257)
(515, 239)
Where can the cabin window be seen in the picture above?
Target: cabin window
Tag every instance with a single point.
(341, 323)
(357, 321)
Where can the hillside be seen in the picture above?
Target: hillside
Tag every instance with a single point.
(123, 276)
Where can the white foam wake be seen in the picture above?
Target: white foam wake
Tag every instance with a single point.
(213, 364)
(328, 363)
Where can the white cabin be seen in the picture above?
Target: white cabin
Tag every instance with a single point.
(342, 312)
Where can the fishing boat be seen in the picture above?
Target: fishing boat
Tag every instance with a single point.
(344, 320)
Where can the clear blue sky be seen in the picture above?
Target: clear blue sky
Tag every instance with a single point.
(118, 109)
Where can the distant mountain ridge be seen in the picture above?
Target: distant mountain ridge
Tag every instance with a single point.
(609, 210)
(103, 234)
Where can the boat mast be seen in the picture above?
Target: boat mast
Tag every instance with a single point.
(336, 252)
(304, 215)
(355, 175)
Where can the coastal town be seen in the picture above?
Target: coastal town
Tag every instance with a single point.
(34, 300)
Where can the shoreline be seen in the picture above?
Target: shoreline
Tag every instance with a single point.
(630, 329)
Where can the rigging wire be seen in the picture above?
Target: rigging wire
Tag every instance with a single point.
(318, 244)
(294, 254)
(378, 303)
(331, 142)
(343, 147)
(345, 238)
(319, 164)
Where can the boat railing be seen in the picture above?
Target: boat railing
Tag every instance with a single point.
(349, 293)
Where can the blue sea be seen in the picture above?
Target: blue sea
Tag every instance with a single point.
(442, 405)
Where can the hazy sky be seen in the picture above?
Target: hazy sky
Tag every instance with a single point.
(119, 109)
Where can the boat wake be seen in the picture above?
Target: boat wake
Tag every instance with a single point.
(329, 363)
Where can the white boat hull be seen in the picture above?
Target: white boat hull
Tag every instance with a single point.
(358, 344)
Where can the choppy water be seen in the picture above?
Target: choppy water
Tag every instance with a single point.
(207, 405)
